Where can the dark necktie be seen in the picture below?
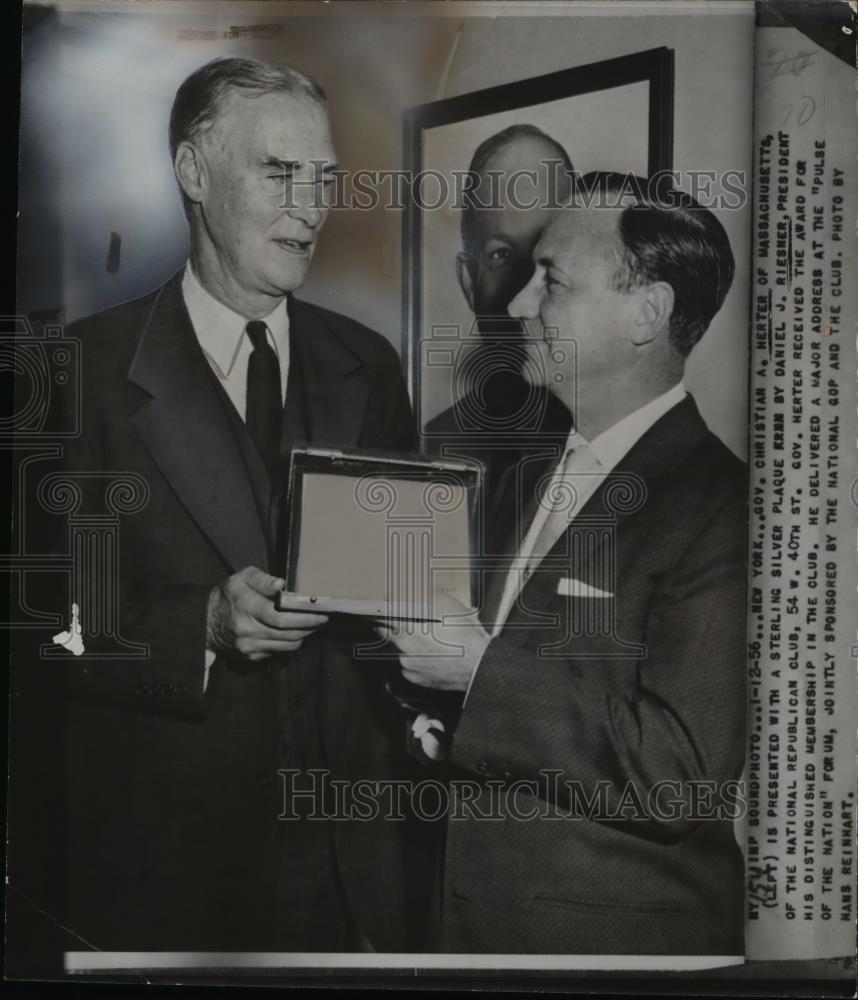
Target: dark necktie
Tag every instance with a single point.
(264, 412)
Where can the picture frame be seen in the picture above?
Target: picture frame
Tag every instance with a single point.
(444, 134)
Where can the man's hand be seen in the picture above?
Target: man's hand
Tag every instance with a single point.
(242, 618)
(441, 655)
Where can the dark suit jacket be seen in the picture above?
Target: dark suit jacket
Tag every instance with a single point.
(172, 793)
(659, 696)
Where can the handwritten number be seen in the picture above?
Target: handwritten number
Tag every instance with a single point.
(805, 111)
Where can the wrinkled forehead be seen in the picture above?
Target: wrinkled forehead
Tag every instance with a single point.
(579, 232)
(280, 123)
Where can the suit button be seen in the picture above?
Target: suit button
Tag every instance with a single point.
(264, 780)
(298, 701)
(483, 766)
(268, 671)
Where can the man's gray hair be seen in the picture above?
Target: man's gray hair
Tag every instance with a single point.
(200, 99)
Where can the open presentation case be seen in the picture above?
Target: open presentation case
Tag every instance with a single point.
(377, 534)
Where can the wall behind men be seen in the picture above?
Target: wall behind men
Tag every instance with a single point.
(97, 88)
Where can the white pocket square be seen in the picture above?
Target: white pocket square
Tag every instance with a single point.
(570, 587)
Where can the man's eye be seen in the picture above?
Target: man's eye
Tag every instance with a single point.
(498, 257)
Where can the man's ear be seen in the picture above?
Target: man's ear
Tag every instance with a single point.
(466, 279)
(656, 308)
(190, 171)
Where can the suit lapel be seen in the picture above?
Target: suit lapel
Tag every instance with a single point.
(186, 430)
(327, 388)
(584, 549)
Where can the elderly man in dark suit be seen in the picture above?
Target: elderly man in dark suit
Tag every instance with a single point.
(602, 733)
(176, 836)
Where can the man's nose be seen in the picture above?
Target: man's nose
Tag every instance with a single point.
(307, 212)
(526, 304)
(305, 203)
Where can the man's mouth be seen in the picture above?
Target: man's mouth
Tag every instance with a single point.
(301, 247)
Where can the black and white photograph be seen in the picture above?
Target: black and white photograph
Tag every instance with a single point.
(432, 477)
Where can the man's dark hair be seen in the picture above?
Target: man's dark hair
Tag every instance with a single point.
(479, 165)
(665, 235)
(200, 99)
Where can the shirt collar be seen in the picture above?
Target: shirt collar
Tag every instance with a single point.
(219, 329)
(612, 445)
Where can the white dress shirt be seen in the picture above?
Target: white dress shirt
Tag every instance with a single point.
(586, 469)
(221, 334)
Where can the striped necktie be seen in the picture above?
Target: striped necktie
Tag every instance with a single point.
(559, 502)
(563, 500)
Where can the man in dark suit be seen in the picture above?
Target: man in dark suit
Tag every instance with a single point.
(177, 834)
(521, 175)
(602, 733)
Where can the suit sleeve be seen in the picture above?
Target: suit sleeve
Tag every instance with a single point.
(678, 717)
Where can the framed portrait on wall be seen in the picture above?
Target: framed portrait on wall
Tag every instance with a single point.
(614, 115)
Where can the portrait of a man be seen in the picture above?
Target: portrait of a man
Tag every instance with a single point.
(502, 401)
